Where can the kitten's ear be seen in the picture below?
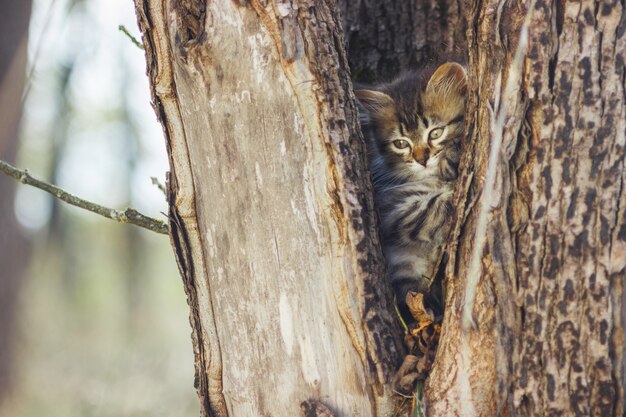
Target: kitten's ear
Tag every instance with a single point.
(375, 102)
(449, 78)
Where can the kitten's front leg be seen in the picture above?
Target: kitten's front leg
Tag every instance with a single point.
(408, 267)
(438, 217)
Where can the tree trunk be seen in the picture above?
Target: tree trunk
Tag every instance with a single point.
(13, 246)
(272, 220)
(548, 338)
(385, 37)
(270, 207)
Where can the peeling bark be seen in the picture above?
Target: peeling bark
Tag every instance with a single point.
(270, 207)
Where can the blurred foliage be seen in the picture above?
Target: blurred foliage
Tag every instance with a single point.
(90, 350)
(104, 325)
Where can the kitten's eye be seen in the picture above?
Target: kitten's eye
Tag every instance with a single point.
(401, 143)
(435, 133)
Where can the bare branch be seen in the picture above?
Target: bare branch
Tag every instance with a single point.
(128, 215)
(38, 48)
(155, 181)
(134, 40)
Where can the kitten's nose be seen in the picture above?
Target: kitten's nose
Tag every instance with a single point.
(421, 155)
(422, 161)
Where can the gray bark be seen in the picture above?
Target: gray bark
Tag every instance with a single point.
(270, 207)
(549, 335)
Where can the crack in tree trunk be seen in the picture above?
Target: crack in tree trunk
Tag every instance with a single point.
(285, 272)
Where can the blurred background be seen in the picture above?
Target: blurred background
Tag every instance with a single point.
(93, 317)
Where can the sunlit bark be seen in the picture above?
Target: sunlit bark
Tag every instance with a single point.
(270, 207)
(273, 226)
(548, 337)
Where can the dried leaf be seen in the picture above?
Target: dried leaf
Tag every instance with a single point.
(422, 342)
(415, 303)
(423, 365)
(409, 342)
(409, 364)
(406, 384)
(407, 372)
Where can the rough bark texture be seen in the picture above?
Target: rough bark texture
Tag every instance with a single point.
(13, 246)
(549, 336)
(387, 36)
(270, 207)
(271, 214)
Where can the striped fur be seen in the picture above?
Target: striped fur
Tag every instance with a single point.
(418, 114)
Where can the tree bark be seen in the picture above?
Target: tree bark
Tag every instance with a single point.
(14, 248)
(270, 207)
(272, 220)
(549, 328)
(385, 37)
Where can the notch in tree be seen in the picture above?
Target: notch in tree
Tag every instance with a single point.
(275, 234)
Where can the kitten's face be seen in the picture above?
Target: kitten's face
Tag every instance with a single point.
(413, 124)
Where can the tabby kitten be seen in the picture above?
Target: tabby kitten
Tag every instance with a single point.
(414, 126)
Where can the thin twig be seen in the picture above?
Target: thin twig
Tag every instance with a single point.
(155, 181)
(474, 271)
(134, 40)
(129, 215)
(39, 45)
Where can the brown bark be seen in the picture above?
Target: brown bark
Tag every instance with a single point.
(385, 37)
(271, 214)
(549, 334)
(13, 247)
(270, 207)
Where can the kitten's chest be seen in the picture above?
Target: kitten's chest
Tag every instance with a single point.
(394, 194)
(400, 202)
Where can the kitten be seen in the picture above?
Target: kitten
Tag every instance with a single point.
(414, 127)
